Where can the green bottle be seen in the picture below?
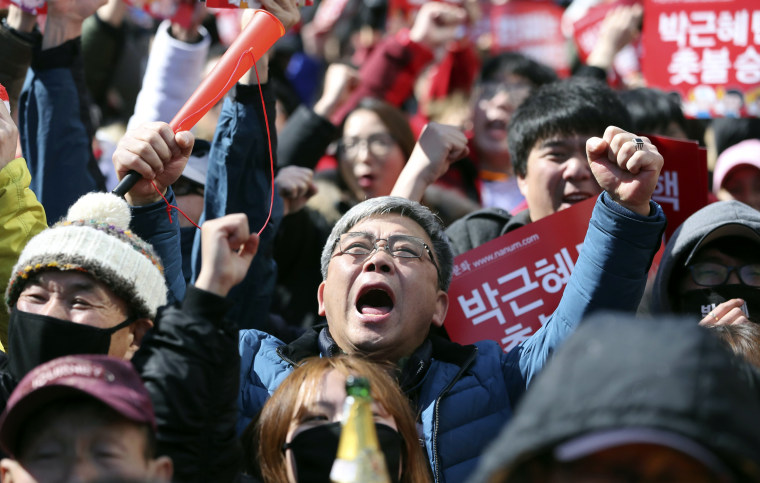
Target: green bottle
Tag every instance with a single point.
(359, 458)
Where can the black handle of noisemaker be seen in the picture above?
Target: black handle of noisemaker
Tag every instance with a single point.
(127, 183)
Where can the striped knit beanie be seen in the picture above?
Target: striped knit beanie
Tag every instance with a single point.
(95, 239)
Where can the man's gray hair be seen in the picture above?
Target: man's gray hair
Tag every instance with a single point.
(385, 205)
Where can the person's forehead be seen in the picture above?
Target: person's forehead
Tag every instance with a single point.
(363, 122)
(68, 279)
(390, 224)
(729, 252)
(566, 140)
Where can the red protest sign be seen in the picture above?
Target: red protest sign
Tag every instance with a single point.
(179, 11)
(708, 52)
(586, 29)
(505, 289)
(586, 34)
(531, 27)
(683, 185)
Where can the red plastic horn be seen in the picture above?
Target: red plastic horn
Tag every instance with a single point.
(257, 37)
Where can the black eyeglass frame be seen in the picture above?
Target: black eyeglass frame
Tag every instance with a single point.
(729, 270)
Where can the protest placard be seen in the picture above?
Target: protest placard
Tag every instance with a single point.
(505, 289)
(706, 51)
(683, 184)
(531, 27)
(586, 34)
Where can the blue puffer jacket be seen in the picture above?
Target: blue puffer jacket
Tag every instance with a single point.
(469, 392)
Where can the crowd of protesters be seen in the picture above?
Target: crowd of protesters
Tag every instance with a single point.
(334, 184)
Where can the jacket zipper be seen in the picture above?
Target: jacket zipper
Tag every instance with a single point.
(285, 358)
(465, 366)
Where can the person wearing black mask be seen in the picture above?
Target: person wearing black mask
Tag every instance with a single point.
(295, 438)
(88, 285)
(89, 269)
(711, 266)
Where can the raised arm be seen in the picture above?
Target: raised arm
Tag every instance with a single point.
(398, 60)
(239, 178)
(438, 146)
(175, 67)
(194, 342)
(56, 131)
(308, 132)
(624, 233)
(159, 155)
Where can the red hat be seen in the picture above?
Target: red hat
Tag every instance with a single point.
(110, 381)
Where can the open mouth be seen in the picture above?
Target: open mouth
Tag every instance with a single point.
(575, 197)
(374, 302)
(365, 181)
(496, 124)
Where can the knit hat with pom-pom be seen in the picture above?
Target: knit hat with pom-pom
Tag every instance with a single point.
(95, 239)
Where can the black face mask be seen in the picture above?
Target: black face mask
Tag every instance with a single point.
(315, 449)
(701, 301)
(34, 339)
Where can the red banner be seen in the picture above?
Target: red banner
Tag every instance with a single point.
(683, 185)
(586, 35)
(531, 27)
(504, 290)
(707, 51)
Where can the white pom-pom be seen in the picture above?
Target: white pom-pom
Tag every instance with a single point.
(102, 207)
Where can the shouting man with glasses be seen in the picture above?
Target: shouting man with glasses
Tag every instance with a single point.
(386, 268)
(711, 266)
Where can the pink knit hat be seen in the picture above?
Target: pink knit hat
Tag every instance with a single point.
(744, 153)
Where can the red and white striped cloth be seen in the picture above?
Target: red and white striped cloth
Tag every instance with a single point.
(4, 98)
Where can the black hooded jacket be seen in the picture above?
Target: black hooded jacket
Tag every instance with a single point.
(723, 215)
(620, 372)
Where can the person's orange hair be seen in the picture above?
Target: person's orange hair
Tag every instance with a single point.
(270, 429)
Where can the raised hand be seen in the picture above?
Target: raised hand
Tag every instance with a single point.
(190, 32)
(438, 146)
(75, 10)
(8, 137)
(627, 173)
(286, 11)
(157, 153)
(295, 185)
(436, 24)
(227, 248)
(620, 26)
(341, 81)
(64, 20)
(727, 313)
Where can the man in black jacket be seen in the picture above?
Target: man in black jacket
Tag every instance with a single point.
(81, 286)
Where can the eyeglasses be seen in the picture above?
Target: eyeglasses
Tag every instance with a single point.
(378, 144)
(361, 244)
(184, 186)
(710, 274)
